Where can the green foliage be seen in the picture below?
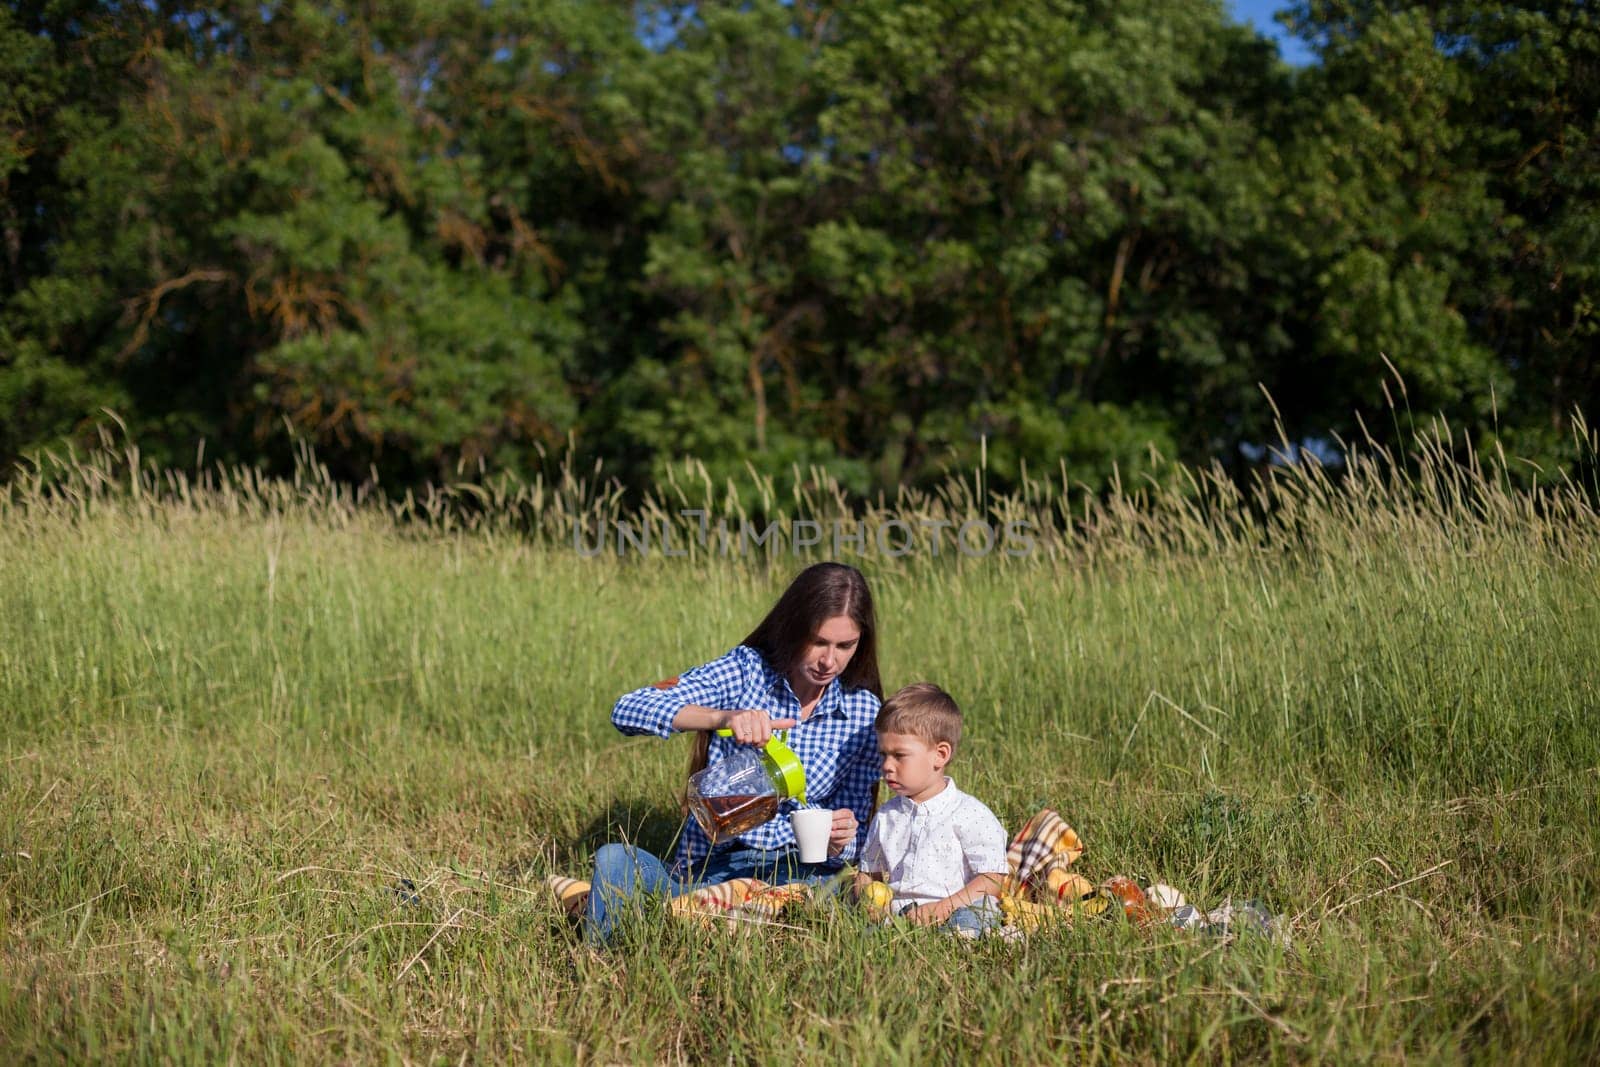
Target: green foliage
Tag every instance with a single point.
(877, 236)
(1455, 165)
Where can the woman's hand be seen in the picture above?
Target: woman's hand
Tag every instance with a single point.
(754, 727)
(843, 832)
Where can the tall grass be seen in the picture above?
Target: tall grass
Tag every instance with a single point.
(239, 711)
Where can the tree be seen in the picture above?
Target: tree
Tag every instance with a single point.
(251, 214)
(1450, 175)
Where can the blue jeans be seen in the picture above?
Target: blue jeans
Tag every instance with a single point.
(971, 922)
(623, 875)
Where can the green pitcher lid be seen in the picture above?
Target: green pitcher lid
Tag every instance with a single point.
(782, 766)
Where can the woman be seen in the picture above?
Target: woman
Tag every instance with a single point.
(810, 667)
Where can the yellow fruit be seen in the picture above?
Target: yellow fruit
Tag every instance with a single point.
(877, 895)
(1028, 916)
(1095, 905)
(1067, 886)
(1069, 845)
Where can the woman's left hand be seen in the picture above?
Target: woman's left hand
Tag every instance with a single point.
(843, 832)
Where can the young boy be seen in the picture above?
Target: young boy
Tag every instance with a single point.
(942, 852)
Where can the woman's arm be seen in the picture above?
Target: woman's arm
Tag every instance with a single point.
(749, 726)
(708, 688)
(695, 717)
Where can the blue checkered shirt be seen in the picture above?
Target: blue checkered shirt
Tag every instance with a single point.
(836, 744)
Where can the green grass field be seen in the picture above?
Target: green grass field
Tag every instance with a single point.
(236, 713)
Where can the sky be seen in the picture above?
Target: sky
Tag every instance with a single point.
(1259, 14)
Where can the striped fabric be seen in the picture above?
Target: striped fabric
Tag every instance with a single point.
(749, 899)
(1043, 844)
(739, 899)
(570, 893)
(1039, 891)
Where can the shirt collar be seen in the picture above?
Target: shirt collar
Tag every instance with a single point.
(940, 803)
(831, 704)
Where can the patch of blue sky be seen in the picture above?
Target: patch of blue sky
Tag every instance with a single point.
(1258, 13)
(1323, 450)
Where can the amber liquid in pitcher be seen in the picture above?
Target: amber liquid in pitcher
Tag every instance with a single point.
(733, 815)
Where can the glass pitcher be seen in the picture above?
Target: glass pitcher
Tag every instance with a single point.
(743, 790)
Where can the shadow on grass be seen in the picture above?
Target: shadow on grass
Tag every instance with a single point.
(647, 823)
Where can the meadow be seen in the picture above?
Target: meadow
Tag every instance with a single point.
(236, 713)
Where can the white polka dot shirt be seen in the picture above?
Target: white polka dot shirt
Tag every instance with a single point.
(931, 850)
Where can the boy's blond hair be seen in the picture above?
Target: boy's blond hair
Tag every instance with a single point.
(924, 711)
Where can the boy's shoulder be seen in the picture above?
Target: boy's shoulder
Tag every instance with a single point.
(969, 808)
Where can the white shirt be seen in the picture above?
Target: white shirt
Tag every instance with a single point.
(931, 850)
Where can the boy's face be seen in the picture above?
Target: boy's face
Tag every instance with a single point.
(912, 767)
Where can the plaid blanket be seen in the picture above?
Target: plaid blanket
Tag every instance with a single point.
(748, 899)
(1040, 889)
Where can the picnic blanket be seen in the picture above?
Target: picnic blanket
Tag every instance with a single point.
(748, 899)
(1040, 891)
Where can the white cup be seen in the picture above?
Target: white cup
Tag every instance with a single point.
(811, 829)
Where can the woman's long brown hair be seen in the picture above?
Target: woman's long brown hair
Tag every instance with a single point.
(817, 594)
